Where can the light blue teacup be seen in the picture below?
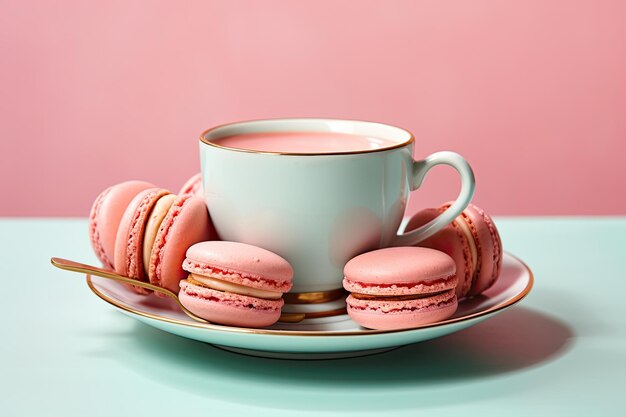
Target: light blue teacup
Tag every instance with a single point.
(320, 210)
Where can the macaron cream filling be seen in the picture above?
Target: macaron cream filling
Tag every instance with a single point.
(401, 289)
(190, 288)
(225, 286)
(394, 297)
(157, 215)
(225, 274)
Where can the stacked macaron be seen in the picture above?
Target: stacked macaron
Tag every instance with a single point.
(143, 231)
(400, 288)
(472, 240)
(235, 283)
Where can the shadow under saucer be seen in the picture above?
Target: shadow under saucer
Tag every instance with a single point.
(419, 375)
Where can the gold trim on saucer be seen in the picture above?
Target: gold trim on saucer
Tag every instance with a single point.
(317, 333)
(402, 144)
(314, 297)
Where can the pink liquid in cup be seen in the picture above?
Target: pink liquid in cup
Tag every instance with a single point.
(304, 142)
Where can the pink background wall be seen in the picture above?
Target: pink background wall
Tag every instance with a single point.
(532, 93)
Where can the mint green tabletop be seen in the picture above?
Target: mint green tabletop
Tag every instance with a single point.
(561, 351)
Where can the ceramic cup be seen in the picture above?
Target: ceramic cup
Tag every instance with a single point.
(320, 210)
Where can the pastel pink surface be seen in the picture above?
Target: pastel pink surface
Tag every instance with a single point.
(193, 186)
(106, 214)
(129, 241)
(450, 240)
(391, 315)
(228, 308)
(241, 264)
(531, 81)
(489, 247)
(186, 223)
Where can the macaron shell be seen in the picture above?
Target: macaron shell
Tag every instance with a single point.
(193, 186)
(106, 214)
(395, 315)
(450, 240)
(240, 263)
(400, 265)
(129, 241)
(489, 247)
(186, 223)
(227, 308)
(94, 233)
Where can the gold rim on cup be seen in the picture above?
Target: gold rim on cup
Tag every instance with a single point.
(410, 140)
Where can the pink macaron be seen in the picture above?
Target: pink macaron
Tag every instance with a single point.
(472, 240)
(235, 283)
(106, 214)
(400, 288)
(193, 186)
(154, 233)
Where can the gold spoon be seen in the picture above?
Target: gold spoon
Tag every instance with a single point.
(73, 266)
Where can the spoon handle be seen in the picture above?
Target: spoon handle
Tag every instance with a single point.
(105, 273)
(74, 266)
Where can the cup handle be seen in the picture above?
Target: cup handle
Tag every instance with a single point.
(420, 168)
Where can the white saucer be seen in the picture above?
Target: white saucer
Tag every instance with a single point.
(332, 337)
